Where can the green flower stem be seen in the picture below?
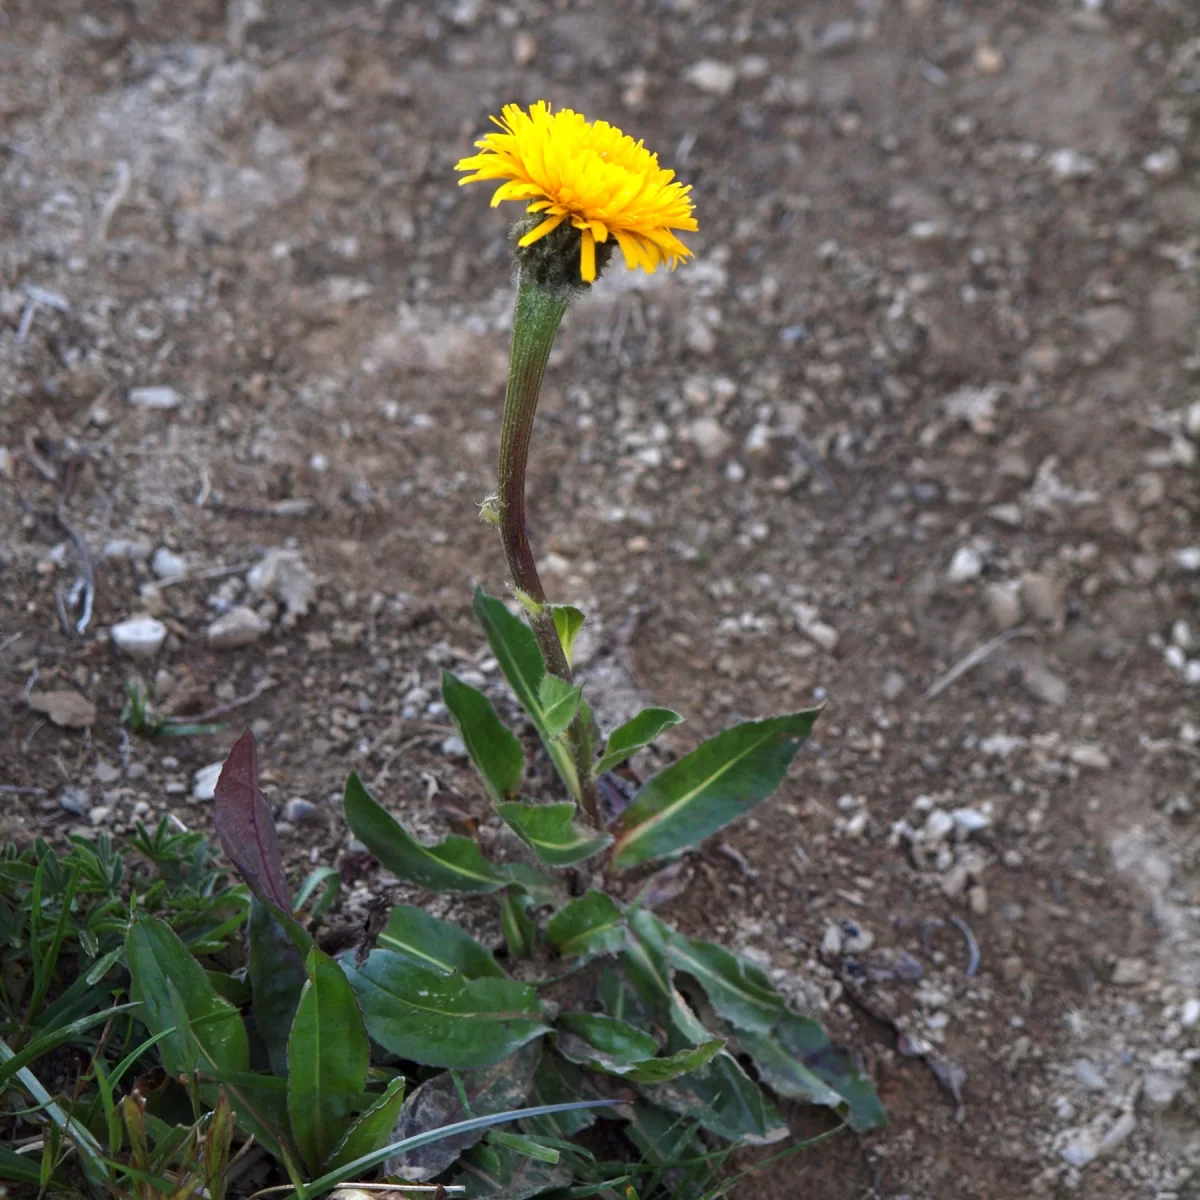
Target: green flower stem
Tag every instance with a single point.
(539, 311)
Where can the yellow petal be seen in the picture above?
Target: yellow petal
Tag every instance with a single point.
(549, 225)
(587, 257)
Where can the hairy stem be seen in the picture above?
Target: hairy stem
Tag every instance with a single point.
(538, 314)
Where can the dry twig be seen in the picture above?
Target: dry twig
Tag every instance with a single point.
(969, 661)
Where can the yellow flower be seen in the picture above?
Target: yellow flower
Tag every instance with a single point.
(593, 175)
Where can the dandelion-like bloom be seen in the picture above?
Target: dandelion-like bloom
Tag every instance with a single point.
(591, 174)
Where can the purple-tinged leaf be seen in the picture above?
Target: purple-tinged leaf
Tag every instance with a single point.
(247, 831)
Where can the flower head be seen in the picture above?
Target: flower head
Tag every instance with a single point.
(591, 174)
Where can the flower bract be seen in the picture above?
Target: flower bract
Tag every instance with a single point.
(590, 174)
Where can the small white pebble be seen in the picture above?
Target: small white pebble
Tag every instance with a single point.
(967, 564)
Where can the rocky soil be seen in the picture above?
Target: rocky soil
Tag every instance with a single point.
(916, 434)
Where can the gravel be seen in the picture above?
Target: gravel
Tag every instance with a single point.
(162, 398)
(140, 637)
(967, 564)
(712, 77)
(166, 564)
(239, 627)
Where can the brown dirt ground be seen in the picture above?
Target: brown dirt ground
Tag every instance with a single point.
(944, 302)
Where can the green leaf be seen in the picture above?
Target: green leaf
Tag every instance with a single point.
(591, 925)
(617, 998)
(785, 1075)
(326, 881)
(662, 1137)
(276, 979)
(233, 988)
(19, 1168)
(806, 1044)
(358, 1166)
(519, 932)
(452, 1096)
(560, 703)
(442, 1020)
(442, 945)
(158, 960)
(717, 782)
(529, 1147)
(371, 1131)
(739, 991)
(453, 865)
(503, 1172)
(494, 749)
(615, 1048)
(556, 1082)
(724, 1100)
(626, 740)
(545, 889)
(568, 620)
(328, 1057)
(550, 831)
(620, 1042)
(516, 650)
(648, 966)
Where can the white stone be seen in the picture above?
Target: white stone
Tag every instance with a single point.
(712, 77)
(1188, 558)
(1090, 756)
(1122, 1127)
(1129, 972)
(166, 564)
(836, 38)
(758, 441)
(927, 231)
(938, 826)
(154, 397)
(824, 635)
(856, 939)
(1003, 745)
(709, 438)
(970, 820)
(1004, 603)
(240, 626)
(1080, 1148)
(204, 781)
(1160, 1089)
(300, 811)
(1044, 597)
(141, 637)
(1189, 1018)
(133, 549)
(1162, 164)
(1192, 421)
(1191, 672)
(1069, 164)
(74, 800)
(967, 564)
